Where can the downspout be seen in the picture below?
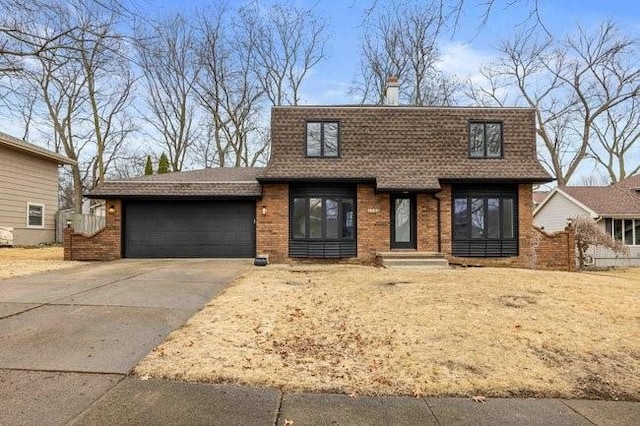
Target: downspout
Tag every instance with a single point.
(436, 196)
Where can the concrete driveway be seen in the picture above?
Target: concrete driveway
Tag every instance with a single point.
(68, 336)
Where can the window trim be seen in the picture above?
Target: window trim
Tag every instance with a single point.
(459, 243)
(41, 205)
(322, 123)
(323, 203)
(612, 230)
(484, 123)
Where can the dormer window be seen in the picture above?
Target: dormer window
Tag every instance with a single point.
(322, 139)
(485, 139)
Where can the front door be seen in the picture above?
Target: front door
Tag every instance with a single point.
(403, 221)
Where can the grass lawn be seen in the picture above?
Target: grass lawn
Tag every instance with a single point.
(362, 330)
(17, 261)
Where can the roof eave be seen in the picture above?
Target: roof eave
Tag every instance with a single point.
(104, 196)
(38, 152)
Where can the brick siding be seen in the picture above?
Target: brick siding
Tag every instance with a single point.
(536, 249)
(105, 244)
(272, 229)
(555, 252)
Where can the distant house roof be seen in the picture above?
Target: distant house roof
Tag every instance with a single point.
(403, 148)
(20, 145)
(622, 198)
(212, 182)
(539, 196)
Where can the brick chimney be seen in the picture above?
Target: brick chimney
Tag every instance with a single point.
(393, 91)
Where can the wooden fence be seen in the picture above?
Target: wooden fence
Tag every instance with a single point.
(82, 223)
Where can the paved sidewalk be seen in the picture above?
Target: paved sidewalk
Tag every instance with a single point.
(156, 402)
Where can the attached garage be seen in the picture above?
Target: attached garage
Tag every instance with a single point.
(188, 229)
(205, 213)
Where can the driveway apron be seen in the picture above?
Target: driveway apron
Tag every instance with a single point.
(85, 328)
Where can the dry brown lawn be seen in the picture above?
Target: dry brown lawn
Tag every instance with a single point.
(18, 261)
(362, 330)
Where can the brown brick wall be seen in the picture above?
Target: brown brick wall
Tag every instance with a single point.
(538, 250)
(556, 251)
(272, 229)
(105, 244)
(373, 222)
(427, 218)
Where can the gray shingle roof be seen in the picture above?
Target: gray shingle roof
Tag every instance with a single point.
(403, 147)
(621, 198)
(213, 182)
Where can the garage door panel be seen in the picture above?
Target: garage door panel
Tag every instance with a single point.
(189, 229)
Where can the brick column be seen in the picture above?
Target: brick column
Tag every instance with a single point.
(67, 242)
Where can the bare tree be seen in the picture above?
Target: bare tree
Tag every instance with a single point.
(402, 41)
(588, 234)
(168, 65)
(451, 12)
(78, 90)
(614, 146)
(572, 84)
(109, 83)
(230, 92)
(287, 42)
(62, 87)
(593, 179)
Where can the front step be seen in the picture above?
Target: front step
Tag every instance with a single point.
(412, 259)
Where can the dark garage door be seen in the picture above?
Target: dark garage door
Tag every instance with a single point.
(189, 229)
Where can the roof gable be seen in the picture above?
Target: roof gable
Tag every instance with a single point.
(558, 192)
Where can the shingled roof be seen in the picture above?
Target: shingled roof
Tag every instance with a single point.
(213, 182)
(622, 198)
(403, 148)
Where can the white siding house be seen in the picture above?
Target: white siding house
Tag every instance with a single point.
(552, 214)
(615, 208)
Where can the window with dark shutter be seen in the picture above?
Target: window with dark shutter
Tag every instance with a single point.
(484, 222)
(322, 221)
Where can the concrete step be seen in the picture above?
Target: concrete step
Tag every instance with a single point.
(425, 263)
(409, 254)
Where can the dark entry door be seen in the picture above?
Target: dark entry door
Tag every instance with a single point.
(189, 229)
(403, 221)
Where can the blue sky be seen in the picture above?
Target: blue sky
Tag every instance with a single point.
(462, 51)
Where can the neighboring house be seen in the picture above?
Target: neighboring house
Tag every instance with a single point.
(539, 197)
(350, 182)
(615, 208)
(28, 190)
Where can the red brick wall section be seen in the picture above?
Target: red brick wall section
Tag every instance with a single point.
(554, 251)
(427, 212)
(105, 244)
(373, 223)
(272, 229)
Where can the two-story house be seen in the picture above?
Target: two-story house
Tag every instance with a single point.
(345, 182)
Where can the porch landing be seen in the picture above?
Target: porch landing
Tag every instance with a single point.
(412, 259)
